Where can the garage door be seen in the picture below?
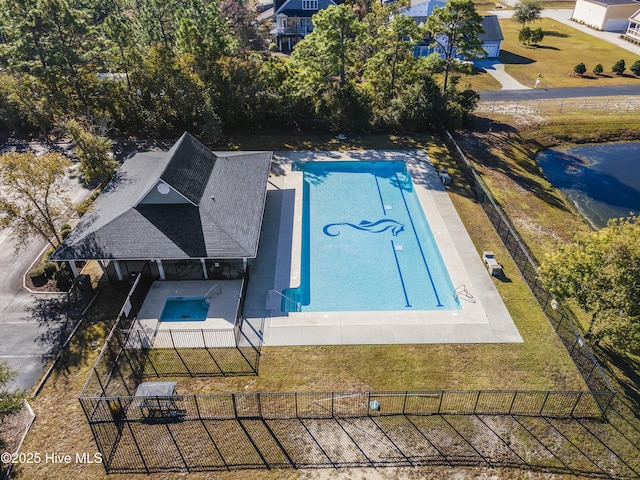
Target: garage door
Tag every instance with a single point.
(492, 49)
(617, 25)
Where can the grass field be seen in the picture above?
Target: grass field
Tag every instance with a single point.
(562, 49)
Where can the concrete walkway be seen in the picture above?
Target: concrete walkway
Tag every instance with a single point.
(495, 68)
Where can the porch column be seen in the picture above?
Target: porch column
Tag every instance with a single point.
(244, 264)
(204, 268)
(74, 269)
(116, 265)
(103, 266)
(161, 269)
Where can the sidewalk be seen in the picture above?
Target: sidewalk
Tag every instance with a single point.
(496, 69)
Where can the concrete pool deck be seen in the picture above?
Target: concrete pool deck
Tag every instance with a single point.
(483, 317)
(222, 309)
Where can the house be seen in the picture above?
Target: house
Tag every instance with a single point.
(633, 30)
(186, 213)
(607, 15)
(292, 20)
(491, 39)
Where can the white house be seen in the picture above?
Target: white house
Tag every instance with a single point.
(633, 30)
(607, 15)
(292, 20)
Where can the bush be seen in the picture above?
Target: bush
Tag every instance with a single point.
(83, 206)
(63, 279)
(580, 69)
(273, 47)
(49, 268)
(48, 253)
(65, 233)
(536, 36)
(38, 277)
(36, 272)
(65, 226)
(635, 68)
(619, 67)
(598, 69)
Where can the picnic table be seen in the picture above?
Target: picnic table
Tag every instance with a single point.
(157, 400)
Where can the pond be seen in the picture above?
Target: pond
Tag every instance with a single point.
(602, 181)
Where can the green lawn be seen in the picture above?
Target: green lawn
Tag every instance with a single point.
(562, 49)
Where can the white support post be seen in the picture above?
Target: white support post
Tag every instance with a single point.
(161, 269)
(244, 264)
(74, 269)
(204, 268)
(116, 265)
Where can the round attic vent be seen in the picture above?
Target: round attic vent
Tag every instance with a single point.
(163, 188)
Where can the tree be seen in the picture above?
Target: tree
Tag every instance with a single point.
(536, 36)
(92, 147)
(580, 68)
(635, 68)
(598, 69)
(33, 200)
(619, 67)
(454, 28)
(526, 11)
(323, 66)
(601, 272)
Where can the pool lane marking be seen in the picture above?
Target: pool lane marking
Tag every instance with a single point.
(415, 233)
(380, 195)
(404, 289)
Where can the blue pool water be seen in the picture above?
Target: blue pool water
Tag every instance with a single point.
(603, 181)
(184, 309)
(366, 244)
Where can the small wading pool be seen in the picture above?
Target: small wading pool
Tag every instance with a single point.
(184, 309)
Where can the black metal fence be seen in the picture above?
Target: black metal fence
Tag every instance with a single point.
(560, 319)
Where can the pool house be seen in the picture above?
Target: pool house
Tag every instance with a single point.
(186, 214)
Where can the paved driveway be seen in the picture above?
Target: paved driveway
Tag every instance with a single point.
(28, 336)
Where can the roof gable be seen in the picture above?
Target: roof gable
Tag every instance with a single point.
(189, 165)
(289, 7)
(492, 31)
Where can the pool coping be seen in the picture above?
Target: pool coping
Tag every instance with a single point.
(483, 317)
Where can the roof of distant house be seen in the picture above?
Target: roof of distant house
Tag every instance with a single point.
(186, 203)
(492, 30)
(614, 3)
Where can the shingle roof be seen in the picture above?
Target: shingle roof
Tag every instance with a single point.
(492, 30)
(227, 192)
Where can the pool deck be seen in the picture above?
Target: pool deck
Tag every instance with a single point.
(222, 310)
(483, 317)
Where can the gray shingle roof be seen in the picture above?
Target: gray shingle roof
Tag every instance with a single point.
(228, 191)
(492, 30)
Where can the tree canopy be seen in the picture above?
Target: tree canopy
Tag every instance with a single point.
(601, 272)
(160, 67)
(32, 199)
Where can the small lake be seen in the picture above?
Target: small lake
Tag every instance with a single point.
(602, 181)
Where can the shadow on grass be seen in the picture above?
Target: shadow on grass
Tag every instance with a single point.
(545, 47)
(498, 136)
(510, 58)
(626, 371)
(555, 33)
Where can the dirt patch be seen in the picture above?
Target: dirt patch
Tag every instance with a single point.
(11, 431)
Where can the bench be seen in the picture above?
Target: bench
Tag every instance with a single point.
(494, 267)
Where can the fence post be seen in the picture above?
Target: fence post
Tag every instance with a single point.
(235, 408)
(404, 403)
(544, 403)
(475, 407)
(575, 404)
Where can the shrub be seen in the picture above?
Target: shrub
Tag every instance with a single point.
(65, 226)
(49, 268)
(273, 47)
(48, 253)
(619, 67)
(580, 69)
(536, 36)
(62, 278)
(83, 206)
(635, 68)
(36, 273)
(65, 233)
(598, 69)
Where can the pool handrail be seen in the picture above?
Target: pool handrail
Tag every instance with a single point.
(297, 303)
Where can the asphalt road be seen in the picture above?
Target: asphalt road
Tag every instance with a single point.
(27, 339)
(551, 93)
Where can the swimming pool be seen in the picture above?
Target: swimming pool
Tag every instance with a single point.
(184, 309)
(366, 243)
